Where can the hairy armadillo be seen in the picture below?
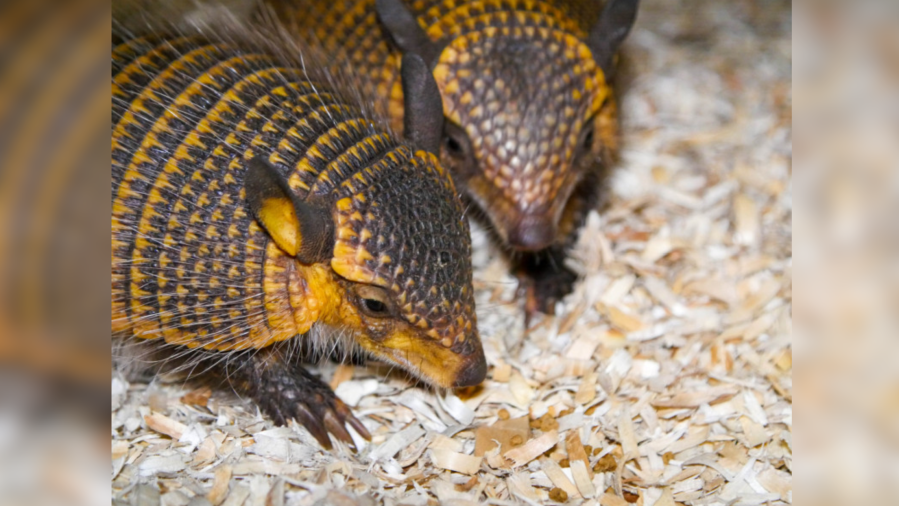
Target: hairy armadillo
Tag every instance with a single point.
(258, 208)
(526, 91)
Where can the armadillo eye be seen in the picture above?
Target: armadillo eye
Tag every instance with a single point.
(375, 306)
(373, 300)
(452, 145)
(455, 140)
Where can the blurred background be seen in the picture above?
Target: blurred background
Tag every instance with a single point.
(54, 347)
(846, 183)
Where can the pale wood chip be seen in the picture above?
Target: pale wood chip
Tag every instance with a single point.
(441, 441)
(205, 452)
(502, 373)
(198, 397)
(220, 483)
(753, 408)
(239, 494)
(558, 477)
(576, 450)
(165, 425)
(626, 433)
(698, 398)
(755, 433)
(612, 500)
(532, 449)
(666, 499)
(586, 391)
(615, 371)
(120, 449)
(351, 392)
(520, 486)
(784, 360)
(583, 347)
(776, 481)
(457, 409)
(275, 496)
(164, 464)
(582, 478)
(343, 373)
(656, 248)
(454, 461)
(623, 320)
(746, 219)
(696, 435)
(618, 289)
(521, 391)
(397, 442)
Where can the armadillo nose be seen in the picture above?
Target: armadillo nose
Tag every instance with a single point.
(473, 371)
(532, 234)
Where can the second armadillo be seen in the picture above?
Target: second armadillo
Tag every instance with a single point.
(525, 87)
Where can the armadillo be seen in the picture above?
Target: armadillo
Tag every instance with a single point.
(526, 87)
(257, 208)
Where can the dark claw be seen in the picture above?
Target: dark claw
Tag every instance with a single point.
(336, 427)
(285, 391)
(356, 425)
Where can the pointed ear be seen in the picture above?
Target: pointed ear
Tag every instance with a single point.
(609, 32)
(405, 30)
(301, 229)
(422, 105)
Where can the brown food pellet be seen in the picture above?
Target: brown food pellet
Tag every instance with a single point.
(503, 414)
(516, 440)
(590, 410)
(588, 450)
(597, 451)
(558, 495)
(606, 464)
(548, 423)
(667, 457)
(564, 463)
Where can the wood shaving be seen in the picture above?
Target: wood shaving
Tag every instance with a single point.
(671, 359)
(532, 449)
(454, 461)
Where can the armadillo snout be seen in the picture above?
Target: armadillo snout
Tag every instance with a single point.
(473, 370)
(532, 233)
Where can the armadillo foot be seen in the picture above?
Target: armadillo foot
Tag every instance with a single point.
(543, 281)
(285, 391)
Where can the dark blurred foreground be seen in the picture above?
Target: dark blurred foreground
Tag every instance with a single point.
(54, 295)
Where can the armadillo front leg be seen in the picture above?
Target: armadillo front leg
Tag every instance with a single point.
(285, 390)
(543, 280)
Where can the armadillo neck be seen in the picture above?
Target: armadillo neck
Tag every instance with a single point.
(189, 264)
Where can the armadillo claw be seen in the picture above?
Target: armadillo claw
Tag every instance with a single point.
(292, 392)
(328, 415)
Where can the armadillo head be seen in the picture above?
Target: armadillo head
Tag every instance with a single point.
(386, 253)
(524, 89)
(403, 240)
(520, 132)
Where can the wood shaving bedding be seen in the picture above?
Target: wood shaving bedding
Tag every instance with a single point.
(664, 379)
